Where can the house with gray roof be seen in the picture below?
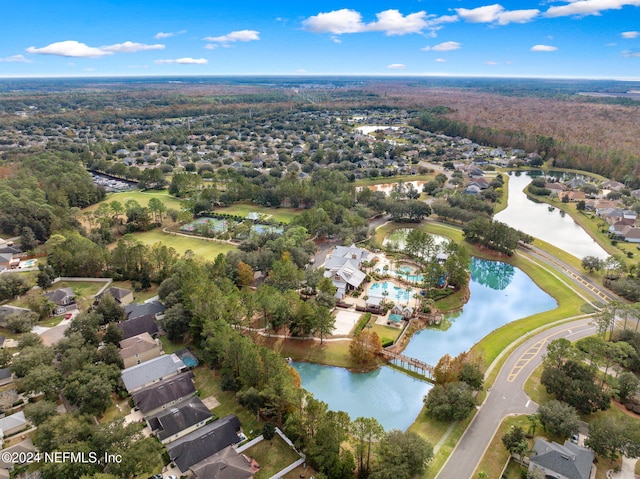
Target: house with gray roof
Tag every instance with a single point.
(7, 310)
(226, 464)
(204, 442)
(12, 424)
(179, 421)
(164, 394)
(122, 296)
(144, 374)
(139, 325)
(135, 310)
(568, 461)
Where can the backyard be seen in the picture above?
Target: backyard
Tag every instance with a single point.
(273, 456)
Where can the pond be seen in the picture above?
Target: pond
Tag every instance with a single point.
(386, 188)
(500, 293)
(541, 221)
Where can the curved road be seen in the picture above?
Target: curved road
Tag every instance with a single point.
(507, 397)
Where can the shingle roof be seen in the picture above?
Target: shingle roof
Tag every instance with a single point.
(60, 295)
(136, 326)
(204, 442)
(117, 293)
(135, 310)
(152, 370)
(164, 392)
(137, 345)
(226, 464)
(180, 418)
(570, 460)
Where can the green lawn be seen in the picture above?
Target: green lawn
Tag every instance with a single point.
(273, 456)
(383, 180)
(496, 455)
(284, 215)
(169, 346)
(138, 296)
(201, 247)
(329, 353)
(208, 383)
(141, 197)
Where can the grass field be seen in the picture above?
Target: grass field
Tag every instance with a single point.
(208, 384)
(284, 215)
(497, 456)
(273, 456)
(330, 353)
(383, 180)
(201, 247)
(141, 197)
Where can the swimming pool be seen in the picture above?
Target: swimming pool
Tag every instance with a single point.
(30, 263)
(393, 292)
(395, 318)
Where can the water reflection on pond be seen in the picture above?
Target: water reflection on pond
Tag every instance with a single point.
(547, 223)
(500, 294)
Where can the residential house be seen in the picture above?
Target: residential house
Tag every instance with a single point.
(226, 464)
(9, 261)
(179, 421)
(13, 424)
(139, 325)
(156, 369)
(23, 450)
(138, 349)
(5, 376)
(632, 235)
(164, 394)
(612, 185)
(573, 195)
(7, 310)
(405, 311)
(561, 462)
(481, 183)
(204, 442)
(63, 298)
(122, 296)
(555, 187)
(472, 190)
(135, 310)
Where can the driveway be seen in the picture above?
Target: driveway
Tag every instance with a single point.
(627, 471)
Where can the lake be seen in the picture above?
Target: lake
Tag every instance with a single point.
(554, 227)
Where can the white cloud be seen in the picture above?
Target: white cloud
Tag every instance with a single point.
(443, 47)
(16, 59)
(630, 54)
(237, 36)
(70, 48)
(391, 22)
(211, 46)
(588, 7)
(630, 34)
(496, 14)
(300, 70)
(160, 35)
(396, 66)
(543, 48)
(131, 47)
(610, 44)
(337, 21)
(491, 63)
(335, 39)
(184, 61)
(440, 60)
(73, 48)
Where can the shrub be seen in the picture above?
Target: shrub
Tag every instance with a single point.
(364, 320)
(386, 342)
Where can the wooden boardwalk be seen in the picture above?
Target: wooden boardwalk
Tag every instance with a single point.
(408, 363)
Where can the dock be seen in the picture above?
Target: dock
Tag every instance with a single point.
(410, 364)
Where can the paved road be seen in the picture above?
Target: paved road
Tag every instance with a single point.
(507, 398)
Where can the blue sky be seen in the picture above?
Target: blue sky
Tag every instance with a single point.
(565, 38)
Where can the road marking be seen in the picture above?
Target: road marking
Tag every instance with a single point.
(528, 402)
(526, 357)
